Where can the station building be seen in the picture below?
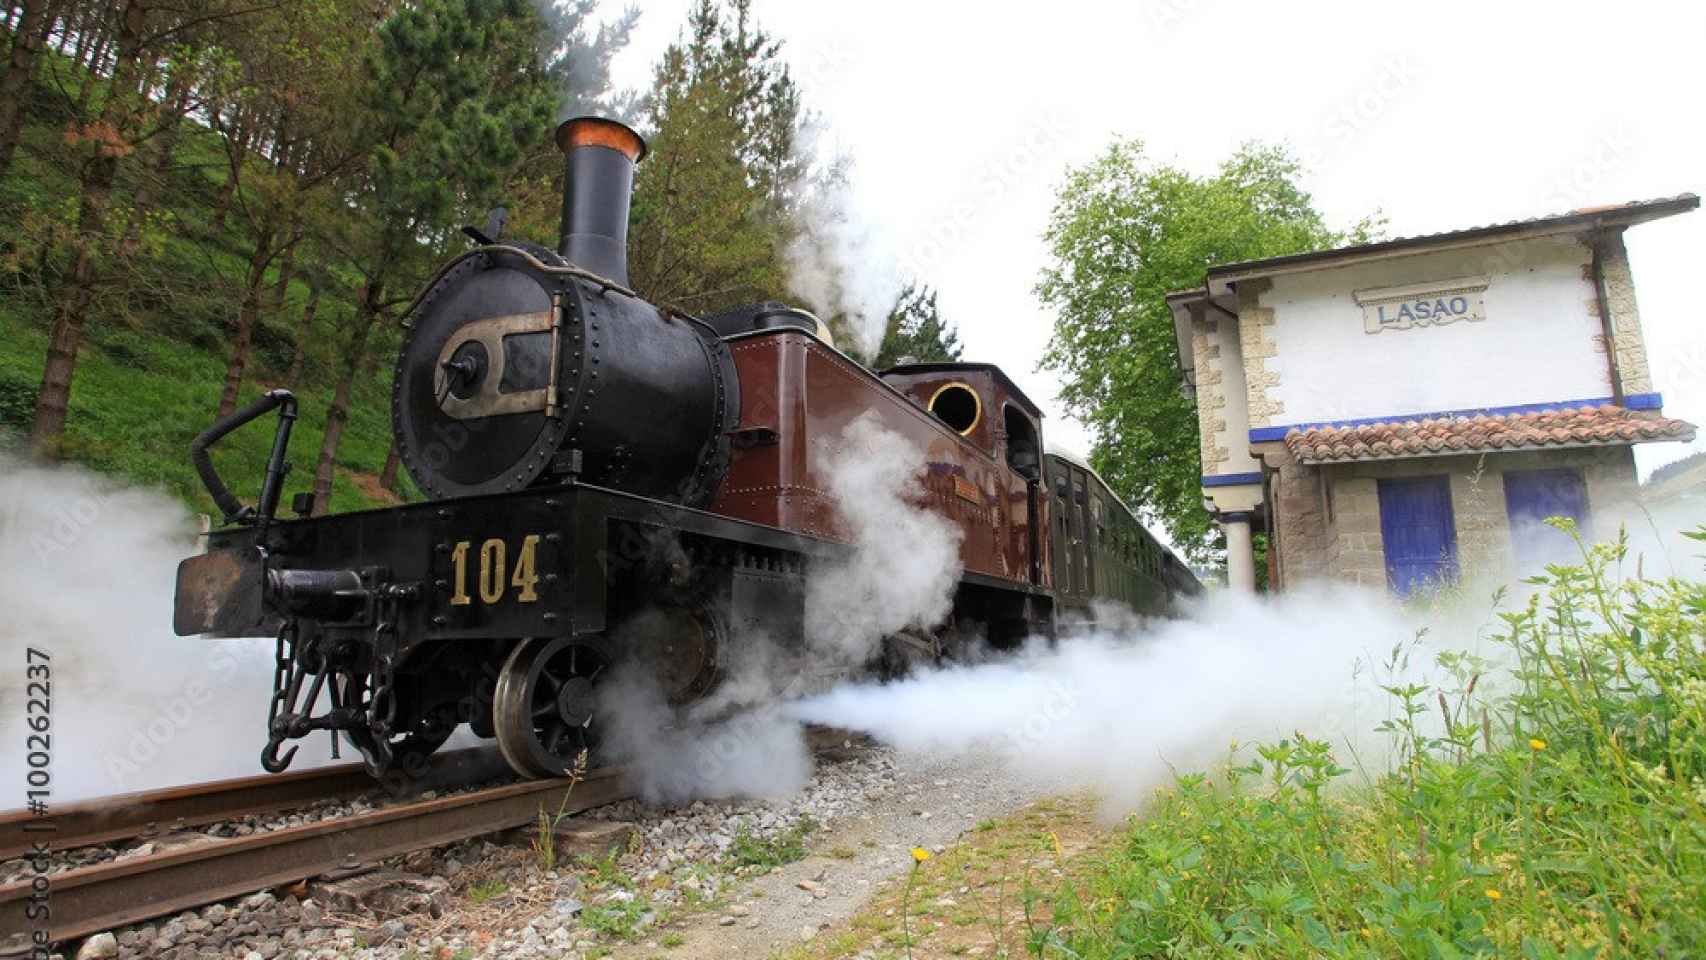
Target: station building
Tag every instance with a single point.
(1406, 413)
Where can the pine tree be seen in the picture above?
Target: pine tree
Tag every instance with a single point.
(712, 203)
(916, 332)
(455, 92)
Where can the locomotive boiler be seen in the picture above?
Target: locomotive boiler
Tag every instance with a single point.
(612, 482)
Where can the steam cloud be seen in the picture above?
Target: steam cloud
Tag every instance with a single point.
(905, 560)
(1121, 712)
(900, 573)
(837, 260)
(87, 571)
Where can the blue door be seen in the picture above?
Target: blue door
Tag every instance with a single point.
(1530, 497)
(1420, 535)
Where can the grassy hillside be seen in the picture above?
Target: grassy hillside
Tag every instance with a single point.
(152, 367)
(140, 398)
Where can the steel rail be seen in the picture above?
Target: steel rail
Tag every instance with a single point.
(121, 817)
(91, 899)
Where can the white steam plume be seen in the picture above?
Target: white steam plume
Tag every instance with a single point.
(87, 569)
(905, 560)
(900, 573)
(1121, 713)
(838, 262)
(673, 755)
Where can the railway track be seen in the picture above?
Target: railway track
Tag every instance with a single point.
(152, 812)
(86, 900)
(90, 899)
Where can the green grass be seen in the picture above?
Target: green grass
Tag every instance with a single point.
(487, 890)
(1564, 819)
(151, 368)
(622, 919)
(788, 846)
(133, 415)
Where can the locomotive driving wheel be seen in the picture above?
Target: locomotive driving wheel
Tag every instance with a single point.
(543, 705)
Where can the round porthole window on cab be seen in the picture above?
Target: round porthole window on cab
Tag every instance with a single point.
(958, 406)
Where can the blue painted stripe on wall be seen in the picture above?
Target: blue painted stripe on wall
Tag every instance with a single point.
(1634, 401)
(1231, 479)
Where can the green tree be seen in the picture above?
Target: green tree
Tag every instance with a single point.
(97, 236)
(292, 63)
(712, 202)
(1124, 231)
(917, 331)
(455, 91)
(578, 55)
(28, 36)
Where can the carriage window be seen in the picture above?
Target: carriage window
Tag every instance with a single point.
(957, 405)
(1022, 453)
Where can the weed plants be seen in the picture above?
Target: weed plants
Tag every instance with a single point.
(544, 842)
(750, 850)
(1564, 818)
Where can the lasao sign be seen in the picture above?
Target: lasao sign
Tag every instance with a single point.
(1423, 304)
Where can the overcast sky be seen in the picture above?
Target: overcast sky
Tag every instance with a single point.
(960, 120)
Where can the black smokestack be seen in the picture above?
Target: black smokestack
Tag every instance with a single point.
(598, 176)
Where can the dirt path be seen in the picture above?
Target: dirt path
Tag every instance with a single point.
(932, 805)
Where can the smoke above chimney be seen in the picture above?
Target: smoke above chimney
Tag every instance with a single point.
(598, 178)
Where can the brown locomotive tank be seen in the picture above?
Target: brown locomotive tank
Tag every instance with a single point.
(797, 391)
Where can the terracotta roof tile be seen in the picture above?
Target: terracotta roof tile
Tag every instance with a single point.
(1579, 427)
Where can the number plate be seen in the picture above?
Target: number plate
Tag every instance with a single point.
(495, 570)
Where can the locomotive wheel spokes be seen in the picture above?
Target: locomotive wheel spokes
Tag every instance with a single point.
(542, 707)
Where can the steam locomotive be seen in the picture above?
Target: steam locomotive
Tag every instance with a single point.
(612, 481)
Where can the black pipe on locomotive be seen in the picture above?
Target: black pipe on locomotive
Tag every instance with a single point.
(527, 365)
(598, 175)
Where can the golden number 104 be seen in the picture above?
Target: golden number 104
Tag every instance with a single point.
(495, 575)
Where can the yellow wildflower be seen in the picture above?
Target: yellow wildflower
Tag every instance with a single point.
(919, 854)
(1535, 743)
(1492, 894)
(1368, 933)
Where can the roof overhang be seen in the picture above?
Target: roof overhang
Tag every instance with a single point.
(1223, 280)
(1183, 304)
